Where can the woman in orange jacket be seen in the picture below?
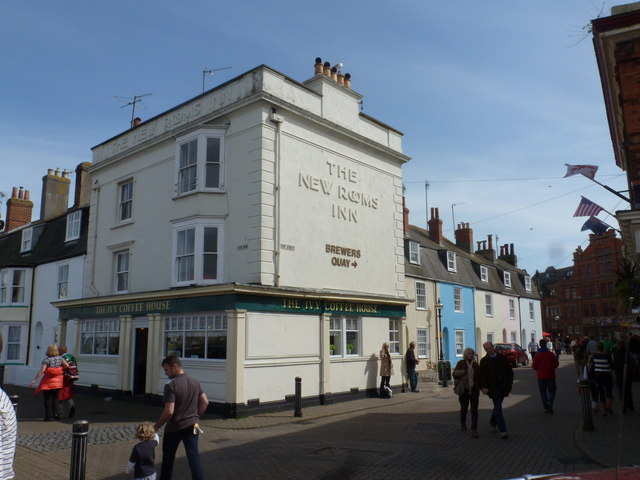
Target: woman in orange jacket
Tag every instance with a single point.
(51, 383)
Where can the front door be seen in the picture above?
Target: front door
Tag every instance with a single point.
(140, 361)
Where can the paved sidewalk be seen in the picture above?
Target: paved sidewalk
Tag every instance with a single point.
(44, 447)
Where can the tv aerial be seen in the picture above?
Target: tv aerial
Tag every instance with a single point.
(133, 101)
(209, 71)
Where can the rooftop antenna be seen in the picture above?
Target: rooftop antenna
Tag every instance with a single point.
(209, 71)
(133, 101)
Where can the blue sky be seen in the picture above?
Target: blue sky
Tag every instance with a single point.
(483, 91)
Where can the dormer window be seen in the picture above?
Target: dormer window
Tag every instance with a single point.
(527, 283)
(414, 253)
(507, 279)
(484, 273)
(73, 225)
(451, 261)
(25, 244)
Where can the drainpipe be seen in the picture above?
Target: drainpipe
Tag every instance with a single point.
(95, 242)
(31, 295)
(277, 119)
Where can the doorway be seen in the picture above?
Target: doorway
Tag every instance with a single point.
(140, 360)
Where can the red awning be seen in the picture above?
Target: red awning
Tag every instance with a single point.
(546, 334)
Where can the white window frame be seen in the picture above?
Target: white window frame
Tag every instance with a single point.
(451, 261)
(205, 325)
(532, 311)
(125, 201)
(459, 339)
(347, 329)
(13, 284)
(458, 307)
(198, 254)
(14, 335)
(62, 285)
(422, 343)
(199, 140)
(4, 286)
(512, 309)
(488, 305)
(394, 335)
(26, 242)
(74, 221)
(507, 279)
(414, 253)
(490, 337)
(484, 273)
(121, 272)
(527, 283)
(421, 295)
(102, 335)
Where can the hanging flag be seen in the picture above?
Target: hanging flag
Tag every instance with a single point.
(587, 208)
(596, 225)
(588, 171)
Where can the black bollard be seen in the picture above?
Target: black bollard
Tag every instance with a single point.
(79, 450)
(585, 393)
(14, 402)
(298, 410)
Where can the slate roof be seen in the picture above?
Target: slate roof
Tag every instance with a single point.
(433, 266)
(48, 242)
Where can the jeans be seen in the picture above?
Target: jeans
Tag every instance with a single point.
(50, 403)
(497, 419)
(466, 399)
(384, 381)
(547, 389)
(170, 444)
(413, 379)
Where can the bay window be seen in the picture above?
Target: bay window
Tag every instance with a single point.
(197, 253)
(200, 161)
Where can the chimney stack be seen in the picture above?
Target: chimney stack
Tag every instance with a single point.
(487, 252)
(19, 209)
(464, 237)
(55, 194)
(332, 73)
(82, 194)
(435, 226)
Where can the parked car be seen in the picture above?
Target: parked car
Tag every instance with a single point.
(513, 352)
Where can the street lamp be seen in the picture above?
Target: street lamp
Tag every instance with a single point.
(440, 335)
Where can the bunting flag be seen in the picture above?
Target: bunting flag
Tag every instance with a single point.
(587, 208)
(596, 225)
(588, 171)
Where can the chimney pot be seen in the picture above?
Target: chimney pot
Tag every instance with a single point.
(318, 66)
(490, 238)
(326, 71)
(347, 80)
(21, 193)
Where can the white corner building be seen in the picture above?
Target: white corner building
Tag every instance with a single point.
(257, 232)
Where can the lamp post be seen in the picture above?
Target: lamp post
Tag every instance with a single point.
(440, 335)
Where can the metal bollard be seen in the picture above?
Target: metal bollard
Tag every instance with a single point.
(79, 450)
(587, 416)
(14, 401)
(298, 410)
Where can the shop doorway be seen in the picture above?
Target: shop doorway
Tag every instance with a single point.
(140, 360)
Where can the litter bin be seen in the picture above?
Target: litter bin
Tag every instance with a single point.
(444, 372)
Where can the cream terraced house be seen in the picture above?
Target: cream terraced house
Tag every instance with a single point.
(256, 231)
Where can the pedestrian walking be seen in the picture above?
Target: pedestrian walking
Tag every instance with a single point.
(602, 367)
(557, 346)
(411, 361)
(8, 434)
(579, 358)
(545, 365)
(143, 455)
(184, 404)
(495, 378)
(533, 347)
(386, 371)
(69, 377)
(51, 383)
(465, 380)
(621, 358)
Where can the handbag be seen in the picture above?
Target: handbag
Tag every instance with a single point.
(459, 388)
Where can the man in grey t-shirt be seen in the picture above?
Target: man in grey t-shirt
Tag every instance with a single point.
(184, 403)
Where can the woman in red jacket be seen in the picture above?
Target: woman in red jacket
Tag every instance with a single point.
(51, 383)
(545, 363)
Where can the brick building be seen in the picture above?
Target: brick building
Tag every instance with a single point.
(580, 300)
